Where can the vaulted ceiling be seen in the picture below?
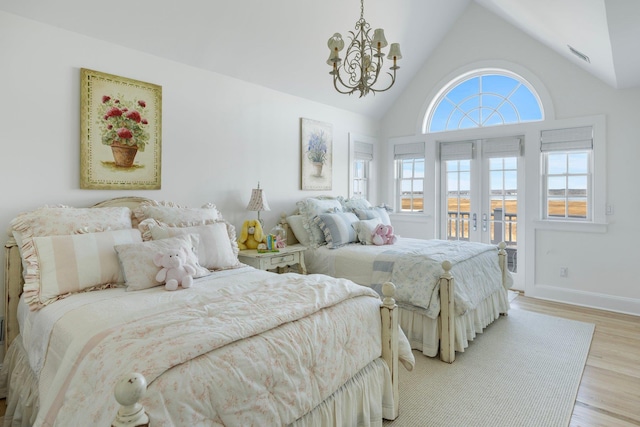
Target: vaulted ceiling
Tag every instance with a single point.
(281, 44)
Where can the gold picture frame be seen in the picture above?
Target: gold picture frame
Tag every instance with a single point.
(316, 146)
(120, 132)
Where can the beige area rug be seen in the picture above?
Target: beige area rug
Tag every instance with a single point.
(524, 370)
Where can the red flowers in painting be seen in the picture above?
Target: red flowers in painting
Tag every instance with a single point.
(124, 133)
(122, 121)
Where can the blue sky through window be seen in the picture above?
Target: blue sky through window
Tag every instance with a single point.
(485, 100)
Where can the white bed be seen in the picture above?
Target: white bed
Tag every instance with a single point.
(447, 291)
(240, 347)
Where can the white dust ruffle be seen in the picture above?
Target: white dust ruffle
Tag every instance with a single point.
(20, 386)
(423, 331)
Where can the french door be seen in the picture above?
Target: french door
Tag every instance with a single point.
(479, 192)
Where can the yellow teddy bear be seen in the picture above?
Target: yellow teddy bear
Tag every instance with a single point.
(251, 235)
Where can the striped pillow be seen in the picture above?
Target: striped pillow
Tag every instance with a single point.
(75, 263)
(337, 228)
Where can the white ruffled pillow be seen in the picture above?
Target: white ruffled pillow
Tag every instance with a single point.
(310, 208)
(375, 212)
(296, 225)
(218, 248)
(176, 215)
(365, 228)
(357, 203)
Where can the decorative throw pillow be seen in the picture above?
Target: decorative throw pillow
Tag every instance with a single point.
(175, 215)
(375, 212)
(337, 228)
(296, 225)
(365, 228)
(356, 203)
(218, 248)
(312, 207)
(63, 265)
(136, 259)
(62, 220)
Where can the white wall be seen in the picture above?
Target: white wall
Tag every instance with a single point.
(602, 266)
(220, 135)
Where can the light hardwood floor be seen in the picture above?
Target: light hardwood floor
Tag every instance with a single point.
(609, 393)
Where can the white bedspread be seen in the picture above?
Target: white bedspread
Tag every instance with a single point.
(414, 266)
(263, 357)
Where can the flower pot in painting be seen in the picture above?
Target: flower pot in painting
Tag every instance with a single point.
(123, 155)
(317, 168)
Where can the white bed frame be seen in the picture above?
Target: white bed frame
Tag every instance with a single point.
(447, 312)
(130, 388)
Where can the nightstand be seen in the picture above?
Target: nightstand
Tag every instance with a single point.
(291, 255)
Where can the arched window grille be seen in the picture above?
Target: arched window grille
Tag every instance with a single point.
(484, 98)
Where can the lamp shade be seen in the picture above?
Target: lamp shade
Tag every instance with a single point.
(378, 38)
(258, 201)
(394, 51)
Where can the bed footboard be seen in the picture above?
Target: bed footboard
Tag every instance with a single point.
(447, 313)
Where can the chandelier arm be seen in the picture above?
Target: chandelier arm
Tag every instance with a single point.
(393, 80)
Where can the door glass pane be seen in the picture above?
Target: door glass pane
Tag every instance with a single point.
(458, 199)
(503, 199)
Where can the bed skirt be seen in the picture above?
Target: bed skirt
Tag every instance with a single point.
(21, 385)
(362, 401)
(423, 331)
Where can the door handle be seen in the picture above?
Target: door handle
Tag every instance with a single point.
(484, 222)
(475, 222)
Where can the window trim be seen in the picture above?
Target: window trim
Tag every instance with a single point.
(598, 221)
(479, 72)
(355, 139)
(393, 183)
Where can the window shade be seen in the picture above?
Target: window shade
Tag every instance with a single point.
(363, 151)
(501, 147)
(580, 138)
(456, 150)
(414, 150)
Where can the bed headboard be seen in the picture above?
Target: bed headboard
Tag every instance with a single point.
(13, 279)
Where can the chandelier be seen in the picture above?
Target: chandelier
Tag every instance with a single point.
(360, 69)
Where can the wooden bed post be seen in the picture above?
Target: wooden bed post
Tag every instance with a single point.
(128, 393)
(389, 316)
(502, 260)
(447, 315)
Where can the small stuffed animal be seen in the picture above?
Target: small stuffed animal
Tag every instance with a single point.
(251, 235)
(383, 235)
(175, 269)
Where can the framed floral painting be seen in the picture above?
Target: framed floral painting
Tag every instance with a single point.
(316, 148)
(121, 132)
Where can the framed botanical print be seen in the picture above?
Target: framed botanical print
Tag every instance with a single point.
(316, 140)
(120, 132)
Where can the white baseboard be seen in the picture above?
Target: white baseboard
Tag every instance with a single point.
(586, 299)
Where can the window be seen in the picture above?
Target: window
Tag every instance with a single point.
(567, 173)
(409, 159)
(360, 167)
(484, 98)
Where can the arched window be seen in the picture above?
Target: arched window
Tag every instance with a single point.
(484, 98)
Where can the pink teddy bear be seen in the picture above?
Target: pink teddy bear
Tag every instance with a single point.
(383, 235)
(175, 269)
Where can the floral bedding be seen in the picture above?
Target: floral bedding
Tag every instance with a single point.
(414, 266)
(244, 348)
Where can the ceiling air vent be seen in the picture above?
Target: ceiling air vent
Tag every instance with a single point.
(579, 54)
